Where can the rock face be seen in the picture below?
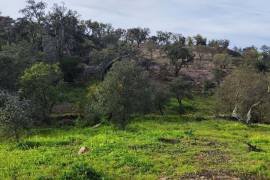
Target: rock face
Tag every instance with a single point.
(83, 150)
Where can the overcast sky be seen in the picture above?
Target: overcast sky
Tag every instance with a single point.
(243, 22)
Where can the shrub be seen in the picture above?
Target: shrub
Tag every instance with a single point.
(40, 84)
(208, 87)
(126, 90)
(14, 115)
(81, 171)
(92, 115)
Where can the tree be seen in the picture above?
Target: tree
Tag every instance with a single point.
(103, 35)
(14, 115)
(151, 47)
(219, 44)
(200, 41)
(6, 31)
(39, 83)
(70, 68)
(179, 56)
(251, 54)
(181, 88)
(219, 75)
(124, 91)
(244, 95)
(34, 13)
(261, 66)
(138, 35)
(164, 38)
(178, 39)
(63, 25)
(265, 53)
(8, 73)
(14, 59)
(223, 63)
(190, 42)
(161, 97)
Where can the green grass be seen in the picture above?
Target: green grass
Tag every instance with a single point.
(137, 153)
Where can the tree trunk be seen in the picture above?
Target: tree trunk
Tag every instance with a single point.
(160, 110)
(179, 105)
(249, 114)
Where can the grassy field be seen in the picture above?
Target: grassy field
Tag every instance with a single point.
(152, 147)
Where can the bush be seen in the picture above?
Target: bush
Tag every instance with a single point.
(126, 90)
(81, 172)
(14, 115)
(40, 84)
(91, 112)
(208, 87)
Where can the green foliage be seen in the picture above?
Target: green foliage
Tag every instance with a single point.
(219, 75)
(200, 41)
(137, 35)
(262, 66)
(124, 91)
(13, 61)
(14, 115)
(222, 44)
(179, 56)
(161, 97)
(245, 95)
(103, 56)
(9, 73)
(39, 83)
(70, 69)
(91, 111)
(181, 88)
(209, 87)
(81, 171)
(222, 61)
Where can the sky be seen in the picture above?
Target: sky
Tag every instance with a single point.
(243, 22)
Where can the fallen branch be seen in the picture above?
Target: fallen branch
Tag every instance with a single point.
(254, 148)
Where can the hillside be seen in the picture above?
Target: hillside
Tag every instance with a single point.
(192, 146)
(200, 69)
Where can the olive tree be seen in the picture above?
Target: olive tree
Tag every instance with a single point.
(161, 96)
(179, 56)
(181, 88)
(39, 83)
(138, 35)
(14, 115)
(124, 91)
